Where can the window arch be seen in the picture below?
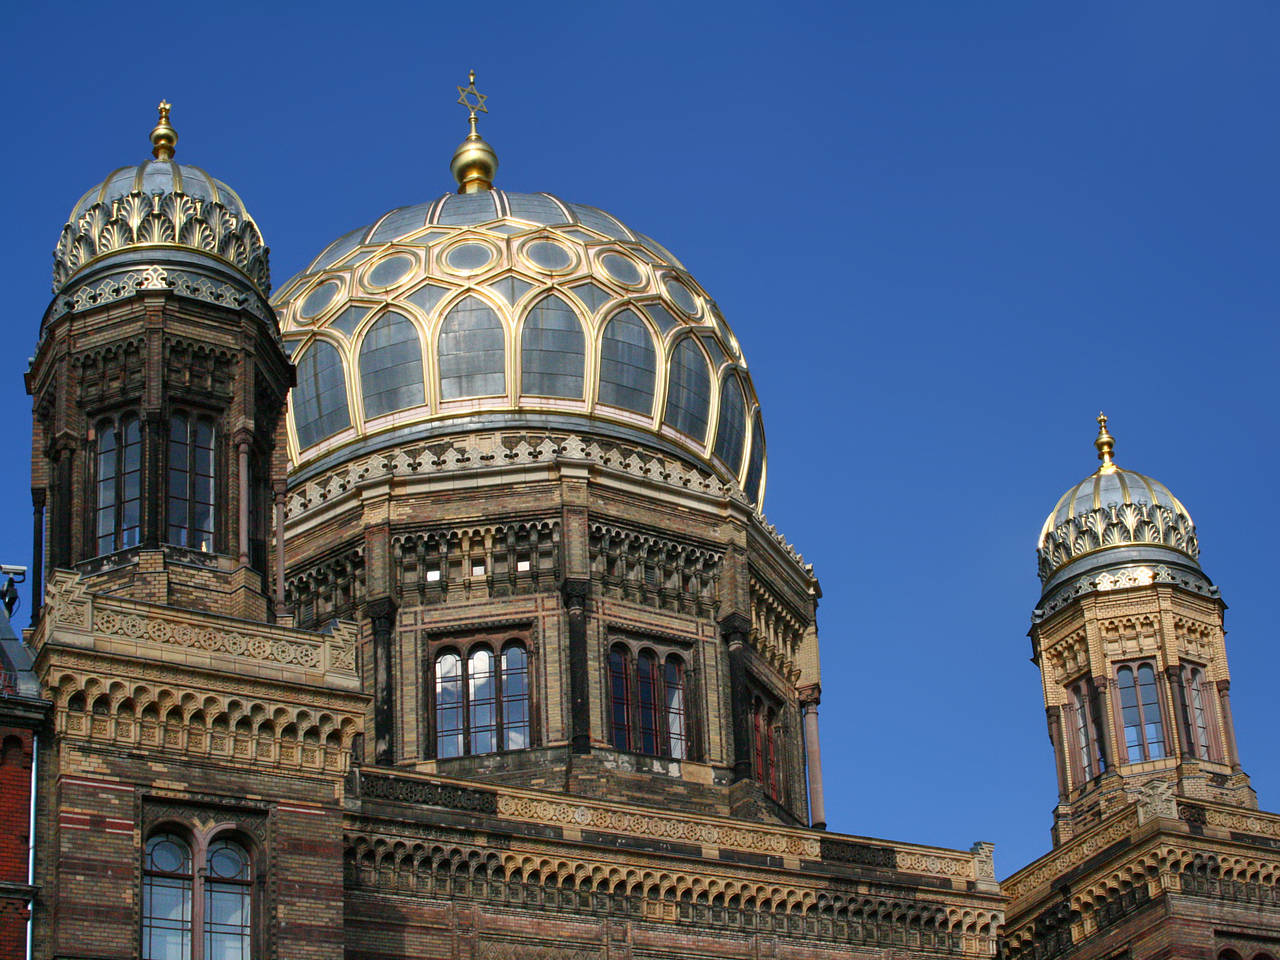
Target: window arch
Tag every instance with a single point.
(191, 482)
(481, 701)
(766, 766)
(552, 350)
(1202, 737)
(731, 430)
(320, 398)
(472, 348)
(1140, 711)
(1086, 756)
(628, 364)
(688, 390)
(648, 703)
(118, 486)
(391, 366)
(197, 898)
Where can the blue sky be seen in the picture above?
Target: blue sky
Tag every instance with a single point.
(945, 234)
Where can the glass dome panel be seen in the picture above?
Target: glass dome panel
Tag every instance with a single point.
(467, 209)
(681, 296)
(599, 221)
(318, 299)
(628, 364)
(399, 222)
(548, 255)
(391, 366)
(552, 350)
(731, 431)
(535, 207)
(472, 351)
(389, 271)
(621, 269)
(688, 390)
(755, 468)
(469, 256)
(320, 398)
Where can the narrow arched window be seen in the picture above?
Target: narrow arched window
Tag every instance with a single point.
(1140, 710)
(166, 898)
(228, 911)
(1199, 713)
(647, 700)
(628, 364)
(190, 501)
(731, 430)
(757, 754)
(515, 697)
(482, 701)
(450, 707)
(673, 689)
(118, 521)
(688, 390)
(320, 398)
(1084, 746)
(391, 366)
(772, 777)
(552, 350)
(472, 351)
(755, 464)
(619, 699)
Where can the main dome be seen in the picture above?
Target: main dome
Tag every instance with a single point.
(503, 311)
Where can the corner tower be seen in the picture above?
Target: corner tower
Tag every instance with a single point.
(158, 383)
(1128, 636)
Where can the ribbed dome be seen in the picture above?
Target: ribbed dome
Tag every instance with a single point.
(1114, 516)
(495, 310)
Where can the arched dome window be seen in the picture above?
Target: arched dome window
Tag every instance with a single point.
(731, 431)
(320, 399)
(391, 366)
(472, 350)
(628, 364)
(1140, 709)
(755, 467)
(552, 350)
(689, 390)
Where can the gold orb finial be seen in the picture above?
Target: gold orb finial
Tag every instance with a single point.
(163, 137)
(1105, 445)
(474, 163)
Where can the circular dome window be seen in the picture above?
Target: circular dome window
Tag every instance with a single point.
(681, 296)
(468, 257)
(388, 272)
(318, 299)
(549, 256)
(622, 269)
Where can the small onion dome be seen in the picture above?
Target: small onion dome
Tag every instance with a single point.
(1116, 520)
(154, 212)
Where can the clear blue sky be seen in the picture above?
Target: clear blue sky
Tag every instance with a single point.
(945, 233)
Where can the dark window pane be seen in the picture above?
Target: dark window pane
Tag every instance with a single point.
(472, 351)
(731, 431)
(320, 398)
(688, 390)
(628, 364)
(552, 350)
(391, 366)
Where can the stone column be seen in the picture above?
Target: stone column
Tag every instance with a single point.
(382, 617)
(37, 551)
(734, 629)
(155, 479)
(575, 601)
(810, 697)
(242, 449)
(1228, 725)
(279, 502)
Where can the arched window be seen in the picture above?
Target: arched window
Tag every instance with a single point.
(391, 366)
(118, 521)
(1140, 709)
(772, 780)
(227, 902)
(755, 466)
(1081, 726)
(472, 350)
(320, 398)
(628, 364)
(190, 482)
(167, 880)
(648, 703)
(1198, 714)
(765, 755)
(757, 741)
(482, 702)
(731, 430)
(619, 697)
(552, 350)
(688, 390)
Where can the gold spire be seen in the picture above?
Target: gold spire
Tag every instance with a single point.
(1105, 445)
(474, 162)
(163, 137)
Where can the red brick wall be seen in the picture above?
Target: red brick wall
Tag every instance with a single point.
(15, 806)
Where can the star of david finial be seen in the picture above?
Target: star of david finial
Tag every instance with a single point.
(472, 99)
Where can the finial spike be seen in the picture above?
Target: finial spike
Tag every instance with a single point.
(163, 137)
(1105, 444)
(474, 162)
